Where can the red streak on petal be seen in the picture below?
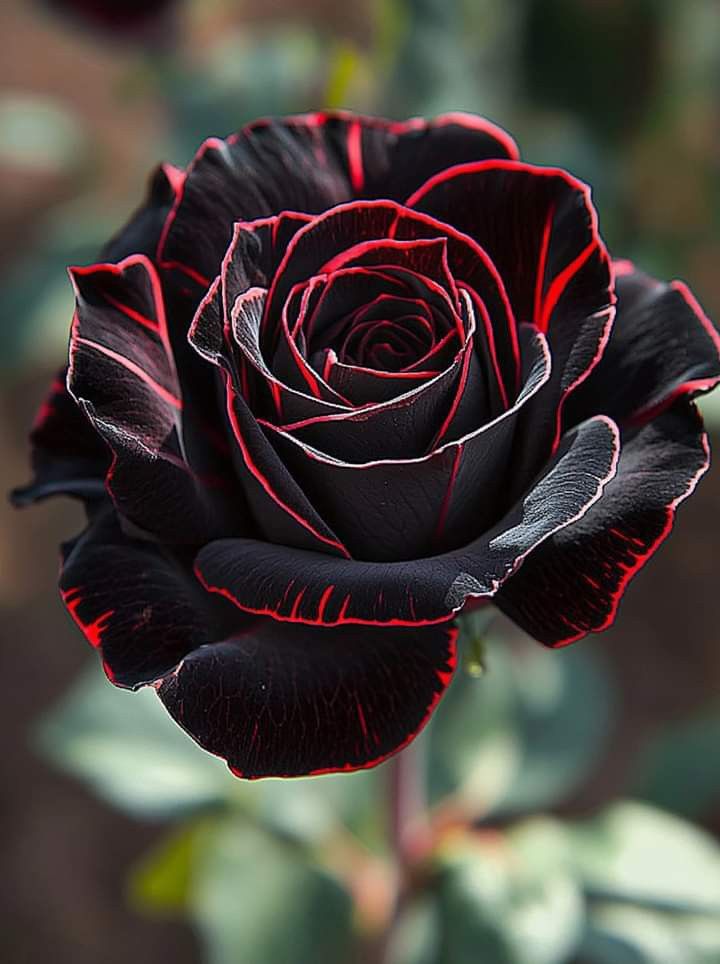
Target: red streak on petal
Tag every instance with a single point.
(561, 282)
(185, 269)
(264, 482)
(296, 604)
(93, 631)
(362, 720)
(276, 395)
(355, 161)
(445, 508)
(135, 369)
(645, 552)
(327, 593)
(135, 315)
(542, 262)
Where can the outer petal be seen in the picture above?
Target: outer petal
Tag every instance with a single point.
(142, 232)
(307, 164)
(283, 701)
(122, 374)
(310, 588)
(274, 700)
(662, 346)
(134, 601)
(572, 584)
(68, 456)
(390, 159)
(540, 229)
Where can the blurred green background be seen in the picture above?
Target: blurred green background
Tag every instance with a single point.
(576, 794)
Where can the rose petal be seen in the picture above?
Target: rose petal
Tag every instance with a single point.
(662, 346)
(68, 456)
(281, 700)
(573, 583)
(307, 587)
(134, 601)
(122, 374)
(346, 226)
(402, 427)
(406, 507)
(309, 163)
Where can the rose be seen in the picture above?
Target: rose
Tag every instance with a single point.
(338, 380)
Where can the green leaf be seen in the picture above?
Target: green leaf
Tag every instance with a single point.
(133, 755)
(622, 934)
(258, 900)
(472, 746)
(638, 854)
(130, 751)
(526, 732)
(562, 711)
(680, 769)
(160, 882)
(308, 809)
(511, 899)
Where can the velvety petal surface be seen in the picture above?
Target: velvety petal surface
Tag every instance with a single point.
(68, 457)
(272, 699)
(122, 375)
(307, 164)
(539, 227)
(572, 583)
(662, 346)
(400, 508)
(283, 701)
(311, 588)
(135, 602)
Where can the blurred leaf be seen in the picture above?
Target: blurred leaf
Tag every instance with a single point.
(621, 934)
(127, 747)
(39, 134)
(129, 750)
(636, 853)
(257, 900)
(563, 707)
(472, 745)
(448, 56)
(308, 809)
(510, 899)
(680, 769)
(526, 733)
(160, 882)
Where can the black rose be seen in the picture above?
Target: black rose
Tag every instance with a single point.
(335, 382)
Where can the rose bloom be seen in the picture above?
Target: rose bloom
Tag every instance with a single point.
(337, 381)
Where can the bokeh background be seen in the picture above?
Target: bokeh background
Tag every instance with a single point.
(120, 841)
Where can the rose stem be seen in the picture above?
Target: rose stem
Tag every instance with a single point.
(407, 824)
